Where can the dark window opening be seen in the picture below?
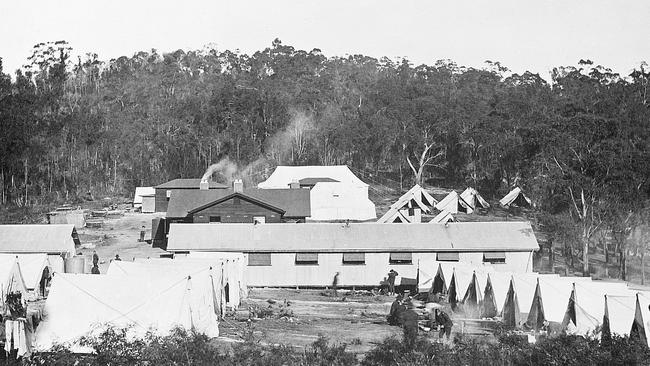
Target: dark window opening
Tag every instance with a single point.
(306, 258)
(259, 259)
(215, 218)
(401, 258)
(447, 257)
(236, 201)
(354, 258)
(494, 257)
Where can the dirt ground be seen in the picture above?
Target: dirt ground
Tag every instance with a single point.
(118, 234)
(359, 321)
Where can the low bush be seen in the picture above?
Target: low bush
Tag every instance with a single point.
(112, 347)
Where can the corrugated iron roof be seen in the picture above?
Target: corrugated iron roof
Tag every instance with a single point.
(189, 183)
(38, 238)
(466, 236)
(295, 202)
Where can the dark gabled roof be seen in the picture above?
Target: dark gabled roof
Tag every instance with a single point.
(313, 181)
(243, 196)
(191, 183)
(294, 202)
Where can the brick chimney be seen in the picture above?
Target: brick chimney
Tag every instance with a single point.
(294, 184)
(204, 185)
(237, 186)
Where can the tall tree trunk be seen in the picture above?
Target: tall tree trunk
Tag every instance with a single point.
(585, 257)
(621, 260)
(551, 255)
(642, 268)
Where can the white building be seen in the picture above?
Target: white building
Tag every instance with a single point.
(288, 255)
(336, 193)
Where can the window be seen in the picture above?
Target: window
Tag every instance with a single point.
(306, 258)
(259, 259)
(401, 258)
(447, 257)
(236, 201)
(168, 194)
(494, 257)
(354, 258)
(259, 219)
(215, 219)
(411, 211)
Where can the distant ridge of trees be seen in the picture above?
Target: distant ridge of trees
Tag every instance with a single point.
(577, 145)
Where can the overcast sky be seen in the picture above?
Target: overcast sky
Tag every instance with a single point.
(521, 34)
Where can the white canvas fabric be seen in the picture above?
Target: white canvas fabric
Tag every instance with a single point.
(512, 196)
(84, 304)
(642, 316)
(524, 285)
(500, 282)
(31, 267)
(442, 218)
(11, 279)
(427, 273)
(555, 293)
(619, 312)
(282, 176)
(209, 272)
(340, 201)
(416, 197)
(474, 199)
(590, 303)
(453, 203)
(239, 265)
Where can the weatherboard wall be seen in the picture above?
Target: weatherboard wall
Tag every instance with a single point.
(236, 210)
(284, 272)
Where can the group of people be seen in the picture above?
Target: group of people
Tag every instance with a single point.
(402, 314)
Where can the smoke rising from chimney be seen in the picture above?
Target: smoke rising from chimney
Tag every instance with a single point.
(225, 167)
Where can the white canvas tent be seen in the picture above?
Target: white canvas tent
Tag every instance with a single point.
(236, 258)
(618, 314)
(442, 218)
(641, 324)
(142, 191)
(516, 198)
(550, 300)
(229, 266)
(82, 304)
(11, 279)
(409, 206)
(474, 199)
(586, 306)
(32, 267)
(453, 203)
(494, 295)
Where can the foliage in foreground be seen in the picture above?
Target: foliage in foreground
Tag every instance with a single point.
(183, 348)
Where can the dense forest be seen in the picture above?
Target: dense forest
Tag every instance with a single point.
(579, 144)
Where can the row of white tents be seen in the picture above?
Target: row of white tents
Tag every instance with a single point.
(410, 206)
(146, 295)
(579, 304)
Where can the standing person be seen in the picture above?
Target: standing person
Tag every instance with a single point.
(142, 232)
(95, 259)
(396, 310)
(445, 323)
(335, 284)
(95, 270)
(117, 257)
(391, 281)
(410, 325)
